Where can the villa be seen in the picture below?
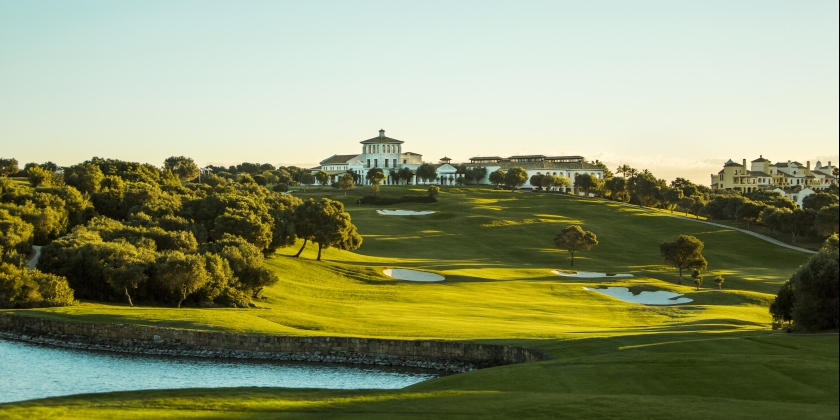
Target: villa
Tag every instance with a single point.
(387, 154)
(791, 179)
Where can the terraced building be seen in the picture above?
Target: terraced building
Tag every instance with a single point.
(387, 154)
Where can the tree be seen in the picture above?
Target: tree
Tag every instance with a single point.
(719, 282)
(497, 177)
(624, 170)
(8, 167)
(23, 288)
(816, 303)
(180, 273)
(562, 181)
(574, 238)
(672, 197)
(125, 267)
(254, 227)
(346, 182)
(645, 186)
(827, 220)
(326, 223)
(782, 306)
(322, 177)
(516, 177)
(698, 279)
(685, 204)
(684, 253)
(476, 174)
(749, 212)
(536, 180)
(16, 238)
(85, 177)
(798, 222)
(375, 176)
(617, 188)
(819, 200)
(395, 176)
(307, 178)
(547, 181)
(183, 167)
(607, 173)
(697, 208)
(588, 183)
(39, 177)
(426, 172)
(773, 217)
(406, 175)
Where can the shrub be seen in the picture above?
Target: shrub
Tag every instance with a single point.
(22, 288)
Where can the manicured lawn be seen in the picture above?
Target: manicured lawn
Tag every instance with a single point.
(649, 376)
(710, 358)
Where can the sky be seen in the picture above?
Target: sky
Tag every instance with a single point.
(674, 87)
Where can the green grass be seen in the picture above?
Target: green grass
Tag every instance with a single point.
(711, 358)
(754, 375)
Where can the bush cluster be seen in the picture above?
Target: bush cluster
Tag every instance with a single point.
(811, 297)
(124, 231)
(22, 288)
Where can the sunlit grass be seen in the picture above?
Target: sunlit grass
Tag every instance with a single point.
(711, 358)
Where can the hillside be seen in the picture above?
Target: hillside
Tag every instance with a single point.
(711, 358)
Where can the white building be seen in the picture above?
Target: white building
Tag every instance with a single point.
(387, 154)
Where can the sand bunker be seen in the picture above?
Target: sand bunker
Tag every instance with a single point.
(659, 297)
(403, 212)
(412, 275)
(588, 274)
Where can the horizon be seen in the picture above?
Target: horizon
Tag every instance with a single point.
(674, 88)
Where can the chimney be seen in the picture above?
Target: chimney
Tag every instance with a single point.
(745, 164)
(381, 133)
(808, 165)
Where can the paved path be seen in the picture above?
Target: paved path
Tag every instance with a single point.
(748, 232)
(34, 261)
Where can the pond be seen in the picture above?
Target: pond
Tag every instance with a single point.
(658, 297)
(29, 371)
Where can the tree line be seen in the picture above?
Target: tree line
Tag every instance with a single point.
(126, 231)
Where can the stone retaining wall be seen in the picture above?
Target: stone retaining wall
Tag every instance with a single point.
(450, 356)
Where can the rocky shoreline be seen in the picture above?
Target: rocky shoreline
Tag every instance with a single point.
(445, 356)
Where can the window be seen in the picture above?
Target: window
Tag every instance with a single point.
(376, 163)
(386, 163)
(405, 161)
(368, 165)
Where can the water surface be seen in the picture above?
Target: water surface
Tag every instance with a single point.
(29, 371)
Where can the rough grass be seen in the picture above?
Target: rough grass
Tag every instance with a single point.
(711, 358)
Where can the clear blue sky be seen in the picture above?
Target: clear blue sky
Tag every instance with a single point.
(673, 86)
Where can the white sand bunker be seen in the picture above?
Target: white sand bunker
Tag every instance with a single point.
(412, 275)
(659, 297)
(404, 212)
(588, 274)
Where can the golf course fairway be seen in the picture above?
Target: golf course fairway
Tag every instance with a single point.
(714, 357)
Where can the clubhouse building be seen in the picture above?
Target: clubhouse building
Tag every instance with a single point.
(387, 154)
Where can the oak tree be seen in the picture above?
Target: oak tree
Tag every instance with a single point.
(574, 238)
(684, 253)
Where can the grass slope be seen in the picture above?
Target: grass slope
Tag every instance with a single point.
(712, 358)
(651, 376)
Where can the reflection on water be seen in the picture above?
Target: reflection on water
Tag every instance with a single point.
(30, 371)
